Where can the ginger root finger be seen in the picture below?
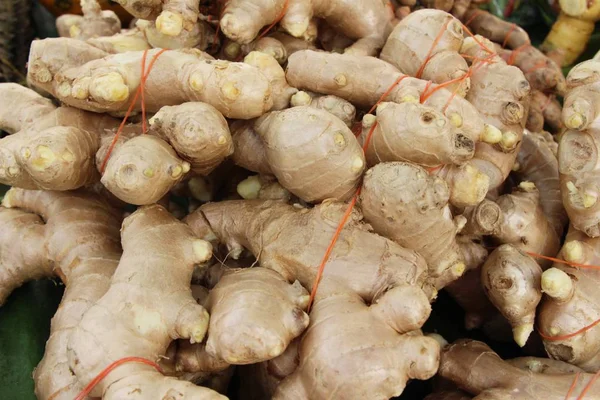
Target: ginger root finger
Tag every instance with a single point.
(237, 90)
(249, 150)
(572, 303)
(416, 133)
(512, 282)
(337, 106)
(404, 203)
(94, 22)
(238, 332)
(543, 365)
(281, 92)
(241, 20)
(467, 364)
(363, 80)
(20, 107)
(79, 242)
(163, 247)
(538, 164)
(127, 40)
(198, 133)
(467, 183)
(426, 44)
(325, 161)
(142, 170)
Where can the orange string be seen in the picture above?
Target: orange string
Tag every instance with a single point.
(558, 260)
(130, 109)
(477, 13)
(90, 386)
(515, 52)
(424, 94)
(433, 46)
(352, 203)
(589, 385)
(537, 66)
(512, 29)
(279, 17)
(572, 385)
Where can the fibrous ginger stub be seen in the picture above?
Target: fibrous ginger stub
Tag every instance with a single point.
(140, 313)
(312, 153)
(403, 202)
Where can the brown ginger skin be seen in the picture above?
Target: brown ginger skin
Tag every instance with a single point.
(544, 111)
(249, 150)
(281, 92)
(368, 23)
(401, 201)
(537, 163)
(571, 303)
(467, 363)
(94, 22)
(136, 307)
(523, 224)
(364, 80)
(503, 106)
(270, 232)
(337, 106)
(578, 149)
(544, 365)
(239, 333)
(409, 48)
(237, 90)
(416, 133)
(72, 235)
(512, 282)
(312, 153)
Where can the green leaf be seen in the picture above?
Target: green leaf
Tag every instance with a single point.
(24, 329)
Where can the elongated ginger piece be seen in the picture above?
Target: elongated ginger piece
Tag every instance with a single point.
(172, 16)
(543, 365)
(72, 235)
(538, 164)
(468, 363)
(337, 106)
(198, 35)
(138, 306)
(572, 303)
(94, 22)
(292, 44)
(325, 161)
(368, 23)
(364, 80)
(503, 106)
(512, 282)
(416, 133)
(426, 44)
(234, 51)
(389, 276)
(239, 333)
(237, 90)
(249, 150)
(401, 201)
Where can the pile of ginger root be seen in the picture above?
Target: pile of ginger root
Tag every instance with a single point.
(310, 184)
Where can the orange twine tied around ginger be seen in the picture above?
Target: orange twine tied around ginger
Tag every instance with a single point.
(139, 92)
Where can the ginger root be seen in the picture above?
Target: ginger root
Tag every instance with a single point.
(237, 90)
(389, 276)
(368, 23)
(135, 307)
(94, 22)
(426, 44)
(73, 235)
(468, 363)
(402, 202)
